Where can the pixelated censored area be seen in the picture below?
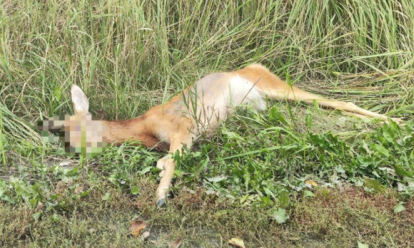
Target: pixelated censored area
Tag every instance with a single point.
(78, 134)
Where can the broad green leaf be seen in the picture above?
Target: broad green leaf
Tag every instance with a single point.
(399, 208)
(362, 245)
(308, 193)
(280, 215)
(106, 197)
(388, 137)
(145, 170)
(36, 216)
(265, 201)
(401, 172)
(135, 190)
(381, 149)
(244, 198)
(8, 199)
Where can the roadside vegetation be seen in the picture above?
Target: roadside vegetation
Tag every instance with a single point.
(294, 175)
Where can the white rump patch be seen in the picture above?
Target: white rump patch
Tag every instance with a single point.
(242, 91)
(215, 96)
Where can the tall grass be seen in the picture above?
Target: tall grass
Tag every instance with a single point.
(123, 49)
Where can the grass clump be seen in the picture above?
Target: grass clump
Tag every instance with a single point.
(275, 157)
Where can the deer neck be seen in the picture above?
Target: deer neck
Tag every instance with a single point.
(117, 132)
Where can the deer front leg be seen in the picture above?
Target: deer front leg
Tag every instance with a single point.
(167, 164)
(167, 174)
(161, 164)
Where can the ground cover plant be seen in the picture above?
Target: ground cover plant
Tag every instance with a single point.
(293, 175)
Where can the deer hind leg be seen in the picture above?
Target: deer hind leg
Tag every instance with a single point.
(296, 94)
(167, 165)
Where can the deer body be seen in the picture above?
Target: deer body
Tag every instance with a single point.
(199, 109)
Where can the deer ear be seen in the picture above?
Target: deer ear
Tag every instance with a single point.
(79, 100)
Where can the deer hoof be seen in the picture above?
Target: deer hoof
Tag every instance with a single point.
(161, 203)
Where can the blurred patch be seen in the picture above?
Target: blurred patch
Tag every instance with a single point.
(79, 134)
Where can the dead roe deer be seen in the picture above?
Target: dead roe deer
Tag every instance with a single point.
(197, 110)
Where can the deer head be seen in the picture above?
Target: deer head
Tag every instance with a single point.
(79, 132)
